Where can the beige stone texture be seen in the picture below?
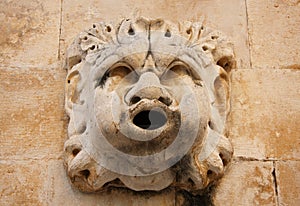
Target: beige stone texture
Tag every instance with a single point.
(29, 32)
(274, 33)
(31, 113)
(265, 113)
(288, 181)
(22, 183)
(246, 183)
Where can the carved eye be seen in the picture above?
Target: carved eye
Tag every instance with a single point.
(114, 75)
(180, 70)
(176, 71)
(119, 72)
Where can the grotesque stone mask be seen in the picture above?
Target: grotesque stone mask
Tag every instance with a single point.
(147, 101)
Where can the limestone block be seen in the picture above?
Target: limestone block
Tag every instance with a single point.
(22, 183)
(264, 122)
(29, 32)
(288, 181)
(60, 192)
(31, 113)
(274, 33)
(246, 183)
(229, 17)
(265, 113)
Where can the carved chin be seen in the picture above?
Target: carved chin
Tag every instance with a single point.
(192, 173)
(153, 182)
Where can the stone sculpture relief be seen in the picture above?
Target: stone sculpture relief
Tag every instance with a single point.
(147, 101)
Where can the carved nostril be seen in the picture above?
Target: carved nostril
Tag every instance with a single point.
(209, 173)
(134, 100)
(224, 160)
(167, 101)
(75, 152)
(85, 173)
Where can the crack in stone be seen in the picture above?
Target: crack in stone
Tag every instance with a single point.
(275, 181)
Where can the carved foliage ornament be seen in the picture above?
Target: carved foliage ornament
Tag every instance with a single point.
(147, 101)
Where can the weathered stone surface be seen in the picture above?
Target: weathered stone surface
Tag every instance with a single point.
(29, 32)
(31, 113)
(229, 17)
(274, 33)
(264, 122)
(60, 192)
(22, 183)
(148, 101)
(265, 104)
(288, 181)
(246, 183)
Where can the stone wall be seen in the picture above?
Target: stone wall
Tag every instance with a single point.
(263, 124)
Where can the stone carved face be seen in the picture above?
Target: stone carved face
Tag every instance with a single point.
(147, 101)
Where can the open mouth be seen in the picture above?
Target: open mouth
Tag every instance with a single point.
(150, 119)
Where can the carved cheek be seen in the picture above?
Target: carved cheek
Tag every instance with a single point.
(203, 102)
(203, 110)
(180, 86)
(103, 110)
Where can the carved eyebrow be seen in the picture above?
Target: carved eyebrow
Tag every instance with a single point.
(102, 64)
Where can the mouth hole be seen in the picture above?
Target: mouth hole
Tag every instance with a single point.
(150, 119)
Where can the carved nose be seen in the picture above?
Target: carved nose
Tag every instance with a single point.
(148, 87)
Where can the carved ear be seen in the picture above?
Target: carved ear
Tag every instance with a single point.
(221, 51)
(72, 93)
(224, 59)
(221, 101)
(73, 62)
(222, 92)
